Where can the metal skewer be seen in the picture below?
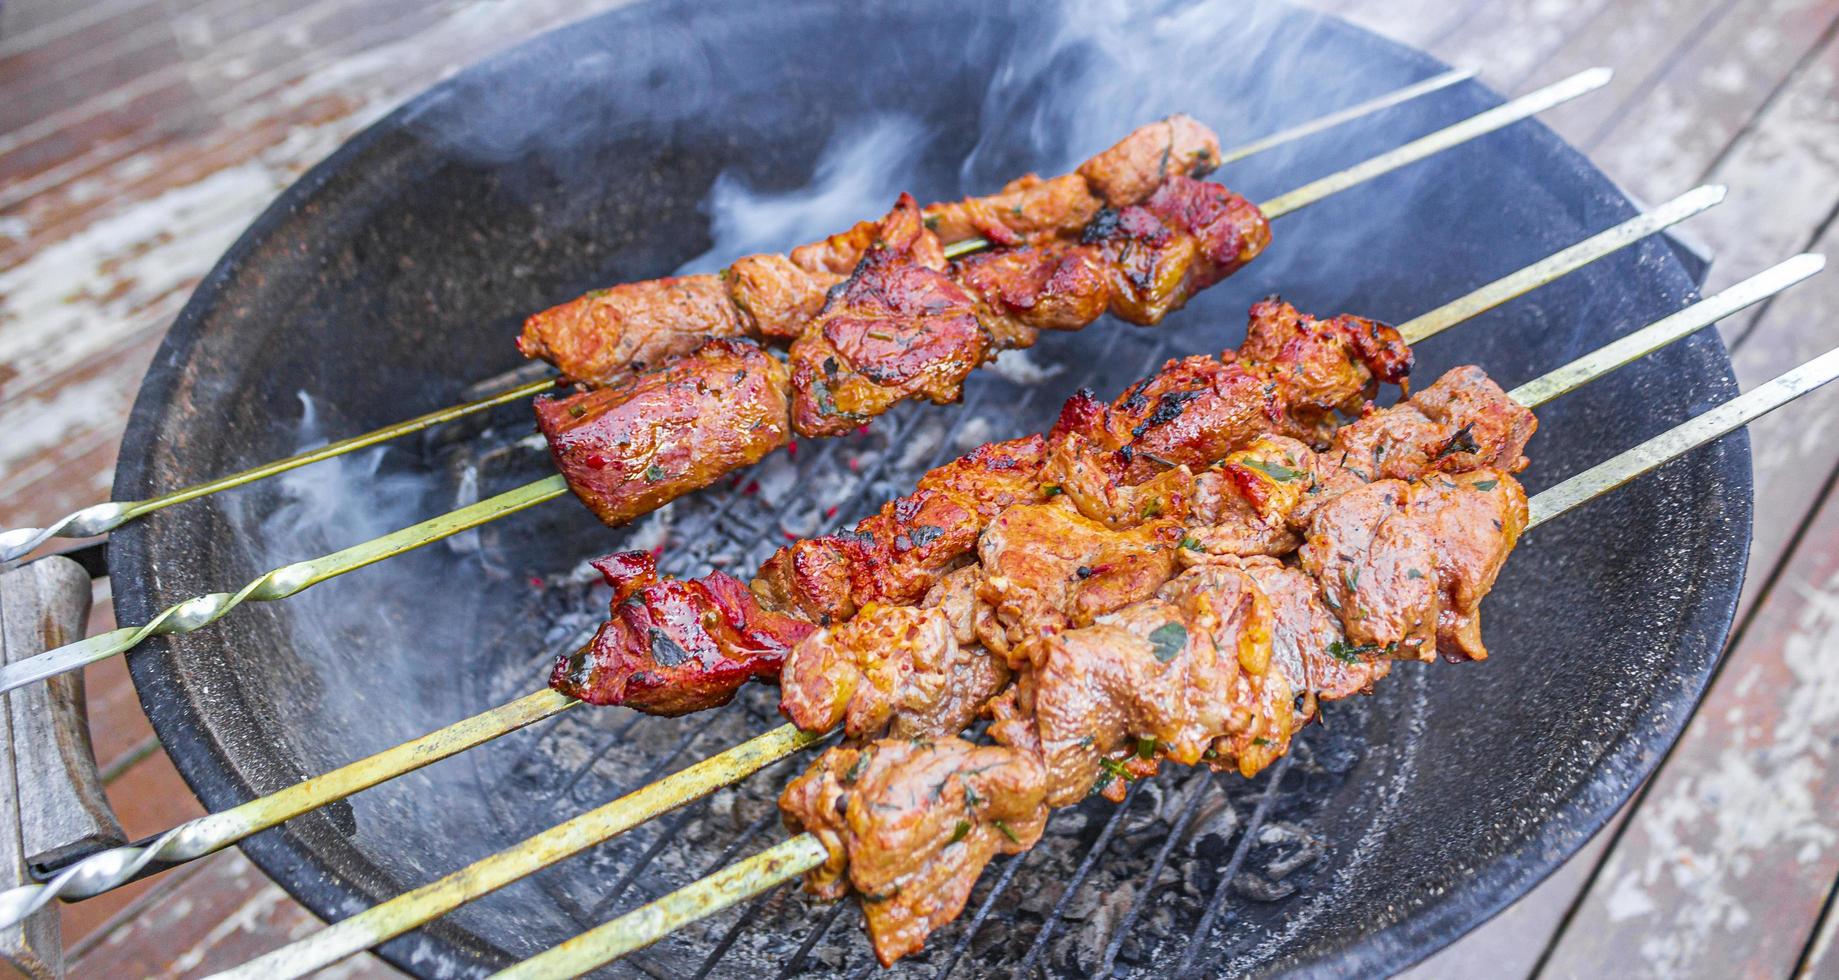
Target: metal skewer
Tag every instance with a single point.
(287, 580)
(407, 911)
(110, 869)
(101, 518)
(786, 861)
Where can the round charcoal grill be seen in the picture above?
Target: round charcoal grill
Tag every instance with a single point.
(394, 275)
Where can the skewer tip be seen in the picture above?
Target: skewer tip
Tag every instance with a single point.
(1593, 78)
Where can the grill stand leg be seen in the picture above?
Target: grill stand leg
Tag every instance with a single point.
(52, 807)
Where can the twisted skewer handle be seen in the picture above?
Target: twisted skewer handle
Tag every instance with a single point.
(19, 542)
(278, 583)
(193, 839)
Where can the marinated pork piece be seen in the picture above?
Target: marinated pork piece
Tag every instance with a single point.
(1462, 422)
(1032, 209)
(1022, 291)
(910, 825)
(1290, 378)
(1307, 644)
(898, 328)
(611, 335)
(891, 670)
(1405, 565)
(775, 295)
(1048, 568)
(675, 646)
(1171, 676)
(627, 451)
(1140, 163)
(898, 554)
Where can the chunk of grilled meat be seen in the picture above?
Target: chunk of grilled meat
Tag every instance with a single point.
(674, 646)
(894, 670)
(899, 553)
(898, 328)
(610, 335)
(911, 824)
(627, 451)
(1405, 565)
(1048, 568)
(613, 334)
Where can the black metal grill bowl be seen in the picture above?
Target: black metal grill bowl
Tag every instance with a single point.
(394, 275)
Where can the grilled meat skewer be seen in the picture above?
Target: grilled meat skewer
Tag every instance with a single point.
(610, 335)
(1196, 673)
(898, 554)
(904, 325)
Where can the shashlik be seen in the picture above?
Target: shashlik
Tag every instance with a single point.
(610, 335)
(874, 316)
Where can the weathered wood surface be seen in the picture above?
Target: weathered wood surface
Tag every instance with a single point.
(137, 137)
(41, 606)
(63, 811)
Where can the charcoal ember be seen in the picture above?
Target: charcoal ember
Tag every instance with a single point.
(1211, 832)
(1295, 847)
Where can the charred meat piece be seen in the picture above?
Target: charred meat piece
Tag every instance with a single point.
(1462, 422)
(1290, 378)
(899, 553)
(1405, 565)
(610, 335)
(898, 328)
(675, 646)
(1189, 236)
(892, 670)
(629, 450)
(910, 825)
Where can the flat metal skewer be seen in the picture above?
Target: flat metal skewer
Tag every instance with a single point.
(16, 543)
(287, 580)
(407, 911)
(118, 866)
(784, 862)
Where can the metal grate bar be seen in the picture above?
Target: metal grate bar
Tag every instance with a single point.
(804, 949)
(1217, 900)
(1010, 868)
(1122, 932)
(1079, 876)
(734, 932)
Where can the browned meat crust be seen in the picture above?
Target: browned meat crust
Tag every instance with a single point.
(609, 335)
(627, 451)
(898, 328)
